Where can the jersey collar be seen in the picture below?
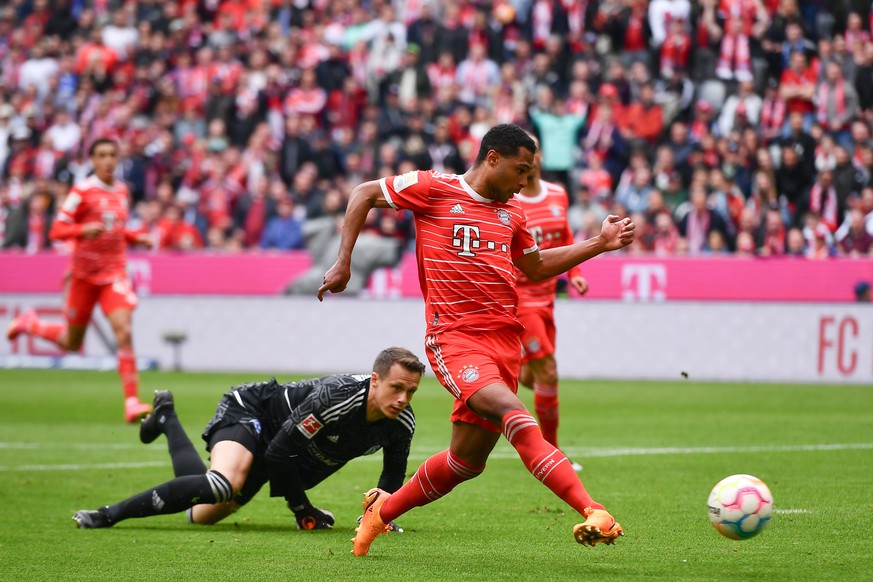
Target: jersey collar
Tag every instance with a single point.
(532, 199)
(473, 194)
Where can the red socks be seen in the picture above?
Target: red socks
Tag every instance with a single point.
(129, 375)
(546, 407)
(545, 461)
(50, 331)
(436, 477)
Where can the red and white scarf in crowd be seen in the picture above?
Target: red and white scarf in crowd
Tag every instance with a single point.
(734, 56)
(825, 93)
(598, 134)
(772, 113)
(825, 203)
(740, 15)
(541, 21)
(697, 230)
(575, 10)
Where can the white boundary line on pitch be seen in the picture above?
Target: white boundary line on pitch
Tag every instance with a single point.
(505, 453)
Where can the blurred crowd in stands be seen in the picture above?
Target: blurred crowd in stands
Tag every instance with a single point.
(721, 126)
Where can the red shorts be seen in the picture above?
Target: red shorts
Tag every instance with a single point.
(82, 296)
(538, 338)
(465, 362)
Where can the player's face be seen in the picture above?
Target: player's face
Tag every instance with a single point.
(509, 173)
(391, 394)
(105, 159)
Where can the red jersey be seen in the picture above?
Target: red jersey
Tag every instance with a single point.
(99, 260)
(465, 246)
(547, 222)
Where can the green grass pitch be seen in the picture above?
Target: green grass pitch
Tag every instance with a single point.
(651, 451)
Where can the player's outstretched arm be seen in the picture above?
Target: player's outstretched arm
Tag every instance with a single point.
(615, 233)
(364, 198)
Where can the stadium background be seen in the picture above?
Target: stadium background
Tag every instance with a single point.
(245, 124)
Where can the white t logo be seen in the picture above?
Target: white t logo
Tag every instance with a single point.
(644, 282)
(467, 240)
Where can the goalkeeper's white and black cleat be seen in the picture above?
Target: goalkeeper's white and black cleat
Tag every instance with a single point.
(91, 519)
(150, 428)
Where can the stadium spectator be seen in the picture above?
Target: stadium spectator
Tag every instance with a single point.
(93, 216)
(293, 435)
(284, 231)
(211, 77)
(479, 346)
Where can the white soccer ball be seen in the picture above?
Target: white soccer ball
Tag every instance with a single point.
(740, 506)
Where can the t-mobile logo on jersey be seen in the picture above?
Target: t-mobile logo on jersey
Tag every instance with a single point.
(466, 237)
(644, 282)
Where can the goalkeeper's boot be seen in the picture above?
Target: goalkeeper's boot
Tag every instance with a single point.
(134, 409)
(372, 525)
(92, 519)
(152, 425)
(599, 527)
(21, 324)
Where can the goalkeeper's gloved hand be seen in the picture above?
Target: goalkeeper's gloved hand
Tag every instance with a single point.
(309, 517)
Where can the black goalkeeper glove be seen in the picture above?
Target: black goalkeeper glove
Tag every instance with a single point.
(309, 517)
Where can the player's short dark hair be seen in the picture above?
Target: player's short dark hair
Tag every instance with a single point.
(390, 356)
(102, 141)
(506, 139)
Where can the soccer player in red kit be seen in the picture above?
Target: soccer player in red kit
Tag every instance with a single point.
(470, 232)
(545, 208)
(93, 215)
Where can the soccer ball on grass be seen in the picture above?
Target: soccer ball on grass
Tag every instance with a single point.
(740, 506)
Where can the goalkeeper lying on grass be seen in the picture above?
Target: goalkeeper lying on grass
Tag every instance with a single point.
(291, 435)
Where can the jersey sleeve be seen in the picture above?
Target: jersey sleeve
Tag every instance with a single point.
(523, 242)
(395, 456)
(70, 207)
(66, 224)
(409, 191)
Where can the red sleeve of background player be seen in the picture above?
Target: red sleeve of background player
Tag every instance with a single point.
(523, 242)
(409, 191)
(66, 224)
(568, 236)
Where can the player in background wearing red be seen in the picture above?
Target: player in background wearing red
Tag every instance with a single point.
(545, 207)
(470, 232)
(93, 215)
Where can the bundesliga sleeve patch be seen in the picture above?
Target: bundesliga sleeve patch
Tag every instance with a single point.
(309, 426)
(405, 180)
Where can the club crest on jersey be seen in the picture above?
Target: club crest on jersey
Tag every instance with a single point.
(533, 345)
(504, 216)
(309, 426)
(469, 374)
(556, 210)
(405, 180)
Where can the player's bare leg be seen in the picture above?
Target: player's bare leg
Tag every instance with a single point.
(204, 514)
(545, 462)
(234, 461)
(60, 334)
(525, 377)
(121, 321)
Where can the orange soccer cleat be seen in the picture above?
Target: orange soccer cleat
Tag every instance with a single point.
(134, 410)
(21, 324)
(599, 527)
(372, 525)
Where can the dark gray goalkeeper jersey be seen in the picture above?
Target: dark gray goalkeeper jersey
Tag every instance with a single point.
(325, 419)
